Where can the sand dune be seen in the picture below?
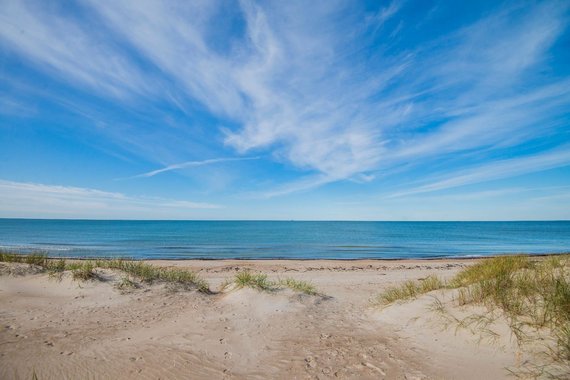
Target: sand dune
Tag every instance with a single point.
(61, 329)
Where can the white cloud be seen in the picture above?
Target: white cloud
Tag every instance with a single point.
(66, 47)
(274, 85)
(496, 170)
(172, 37)
(496, 123)
(20, 199)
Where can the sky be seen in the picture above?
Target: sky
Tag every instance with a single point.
(285, 110)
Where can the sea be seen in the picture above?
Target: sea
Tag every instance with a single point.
(281, 239)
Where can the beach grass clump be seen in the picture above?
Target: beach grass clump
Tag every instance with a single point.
(499, 269)
(299, 286)
(532, 293)
(247, 279)
(126, 284)
(86, 270)
(260, 281)
(185, 278)
(143, 271)
(83, 271)
(150, 273)
(8, 257)
(410, 289)
(39, 259)
(56, 266)
(533, 290)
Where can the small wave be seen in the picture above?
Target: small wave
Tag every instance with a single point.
(55, 244)
(33, 247)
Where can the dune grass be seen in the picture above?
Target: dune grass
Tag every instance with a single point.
(536, 292)
(126, 284)
(39, 259)
(299, 286)
(411, 289)
(83, 270)
(260, 281)
(247, 279)
(532, 293)
(56, 266)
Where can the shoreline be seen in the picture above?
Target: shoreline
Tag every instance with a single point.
(285, 259)
(435, 258)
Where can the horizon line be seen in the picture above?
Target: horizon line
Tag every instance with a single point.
(293, 220)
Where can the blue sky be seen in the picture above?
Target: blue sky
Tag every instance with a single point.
(396, 110)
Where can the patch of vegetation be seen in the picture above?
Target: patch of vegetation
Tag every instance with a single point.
(55, 266)
(261, 282)
(126, 284)
(411, 289)
(535, 292)
(83, 271)
(532, 293)
(39, 259)
(86, 270)
(299, 286)
(150, 273)
(254, 280)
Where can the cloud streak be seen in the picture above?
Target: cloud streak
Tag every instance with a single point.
(193, 164)
(497, 170)
(21, 199)
(67, 47)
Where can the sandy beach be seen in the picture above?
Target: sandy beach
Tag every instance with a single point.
(64, 329)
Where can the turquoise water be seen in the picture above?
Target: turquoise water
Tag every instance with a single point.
(290, 240)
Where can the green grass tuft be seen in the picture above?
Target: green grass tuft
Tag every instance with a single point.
(499, 269)
(56, 266)
(410, 289)
(85, 270)
(39, 259)
(260, 281)
(299, 286)
(254, 280)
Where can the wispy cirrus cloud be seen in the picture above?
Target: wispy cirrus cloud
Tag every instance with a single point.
(70, 48)
(193, 164)
(496, 170)
(22, 199)
(492, 124)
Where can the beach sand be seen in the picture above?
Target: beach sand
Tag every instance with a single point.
(64, 329)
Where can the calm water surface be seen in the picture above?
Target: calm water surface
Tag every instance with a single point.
(272, 240)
